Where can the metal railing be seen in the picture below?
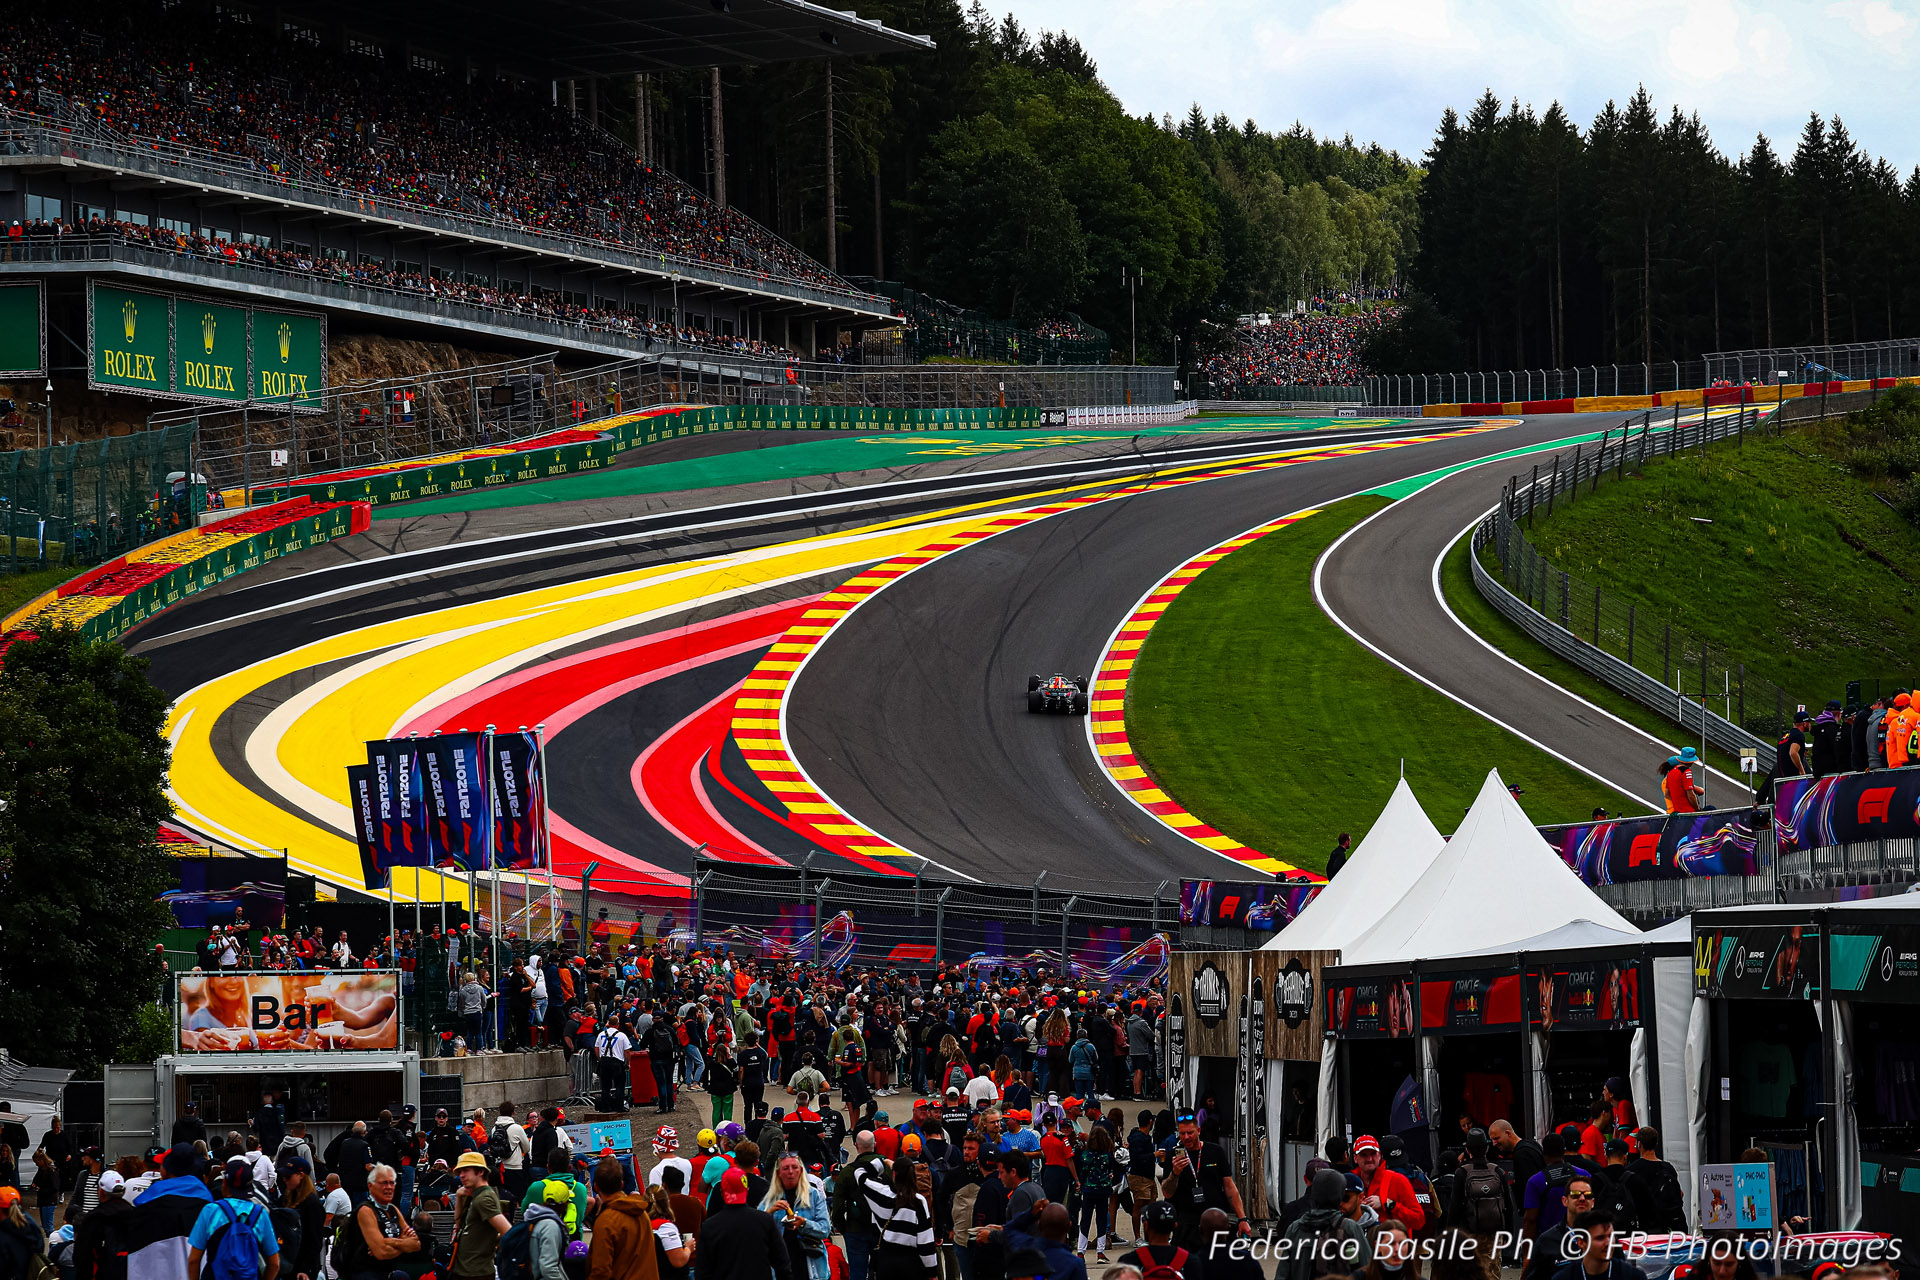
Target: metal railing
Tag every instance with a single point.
(1895, 358)
(1809, 875)
(933, 328)
(923, 920)
(1299, 392)
(26, 134)
(1609, 638)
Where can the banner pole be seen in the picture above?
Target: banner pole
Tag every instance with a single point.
(546, 834)
(493, 865)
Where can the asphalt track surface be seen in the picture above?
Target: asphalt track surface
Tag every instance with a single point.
(1380, 583)
(912, 715)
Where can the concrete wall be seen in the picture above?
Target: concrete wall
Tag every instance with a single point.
(524, 1079)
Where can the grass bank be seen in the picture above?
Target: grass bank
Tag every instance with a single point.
(1260, 716)
(1783, 553)
(17, 589)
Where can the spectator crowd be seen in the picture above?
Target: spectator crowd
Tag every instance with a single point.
(494, 148)
(1321, 348)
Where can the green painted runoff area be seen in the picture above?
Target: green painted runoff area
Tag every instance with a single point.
(1264, 719)
(828, 457)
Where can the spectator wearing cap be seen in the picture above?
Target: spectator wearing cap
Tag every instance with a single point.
(1828, 736)
(188, 1127)
(88, 1235)
(237, 1210)
(1677, 786)
(1389, 1194)
(738, 1241)
(481, 1217)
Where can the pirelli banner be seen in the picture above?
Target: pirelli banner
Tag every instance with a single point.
(184, 348)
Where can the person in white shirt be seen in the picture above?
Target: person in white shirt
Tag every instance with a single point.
(338, 1205)
(343, 952)
(981, 1089)
(610, 1047)
(513, 1168)
(263, 1171)
(229, 951)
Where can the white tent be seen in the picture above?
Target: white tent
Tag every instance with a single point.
(1397, 850)
(1496, 883)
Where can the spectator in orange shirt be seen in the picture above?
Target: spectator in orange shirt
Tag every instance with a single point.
(1593, 1138)
(1677, 787)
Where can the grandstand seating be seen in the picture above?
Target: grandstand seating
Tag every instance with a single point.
(1318, 349)
(493, 150)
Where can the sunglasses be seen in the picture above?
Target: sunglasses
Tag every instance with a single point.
(1184, 1117)
(1579, 1195)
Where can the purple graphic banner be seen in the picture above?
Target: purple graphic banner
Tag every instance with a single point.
(1812, 813)
(1678, 846)
(1245, 904)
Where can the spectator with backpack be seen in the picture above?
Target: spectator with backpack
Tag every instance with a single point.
(509, 1149)
(1482, 1203)
(480, 1220)
(1613, 1192)
(1394, 1150)
(533, 1248)
(1658, 1186)
(848, 1206)
(1323, 1241)
(233, 1237)
(1542, 1205)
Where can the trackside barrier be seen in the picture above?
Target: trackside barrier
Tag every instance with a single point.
(106, 601)
(919, 922)
(1122, 415)
(614, 436)
(1694, 398)
(1554, 608)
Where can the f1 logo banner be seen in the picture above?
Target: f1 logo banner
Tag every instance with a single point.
(1813, 813)
(1675, 847)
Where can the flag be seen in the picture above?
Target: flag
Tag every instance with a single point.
(403, 833)
(363, 798)
(461, 834)
(519, 823)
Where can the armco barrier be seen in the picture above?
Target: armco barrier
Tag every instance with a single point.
(104, 602)
(633, 431)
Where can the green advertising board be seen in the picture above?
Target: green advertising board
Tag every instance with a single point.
(289, 357)
(23, 330)
(132, 339)
(211, 350)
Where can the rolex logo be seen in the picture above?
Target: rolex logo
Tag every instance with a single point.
(129, 312)
(207, 325)
(286, 341)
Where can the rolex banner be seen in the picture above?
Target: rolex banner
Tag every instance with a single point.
(185, 348)
(519, 822)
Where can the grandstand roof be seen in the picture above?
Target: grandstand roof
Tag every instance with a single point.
(565, 38)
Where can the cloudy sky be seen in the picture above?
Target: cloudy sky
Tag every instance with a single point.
(1383, 70)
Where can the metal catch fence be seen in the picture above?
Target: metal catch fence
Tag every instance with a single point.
(79, 504)
(1667, 668)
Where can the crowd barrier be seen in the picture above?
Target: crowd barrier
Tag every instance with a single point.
(1123, 415)
(1694, 398)
(612, 437)
(107, 600)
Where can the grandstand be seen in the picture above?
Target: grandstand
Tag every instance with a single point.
(420, 170)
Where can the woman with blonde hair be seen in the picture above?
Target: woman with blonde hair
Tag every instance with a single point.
(799, 1205)
(20, 1239)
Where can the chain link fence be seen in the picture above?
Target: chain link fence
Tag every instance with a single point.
(1668, 668)
(79, 504)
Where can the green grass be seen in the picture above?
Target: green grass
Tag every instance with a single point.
(1264, 719)
(17, 589)
(1773, 552)
(1456, 585)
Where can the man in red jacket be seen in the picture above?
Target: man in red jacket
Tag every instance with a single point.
(1389, 1193)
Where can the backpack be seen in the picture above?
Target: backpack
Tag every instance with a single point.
(780, 1022)
(514, 1260)
(1663, 1191)
(848, 1207)
(1482, 1190)
(1610, 1192)
(235, 1254)
(499, 1145)
(962, 1209)
(1172, 1269)
(286, 1229)
(1328, 1258)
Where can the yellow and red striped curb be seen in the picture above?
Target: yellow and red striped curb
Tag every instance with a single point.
(1107, 714)
(759, 719)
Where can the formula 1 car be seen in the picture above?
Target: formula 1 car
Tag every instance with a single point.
(1057, 693)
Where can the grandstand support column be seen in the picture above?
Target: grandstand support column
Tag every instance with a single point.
(719, 145)
(593, 101)
(642, 141)
(833, 197)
